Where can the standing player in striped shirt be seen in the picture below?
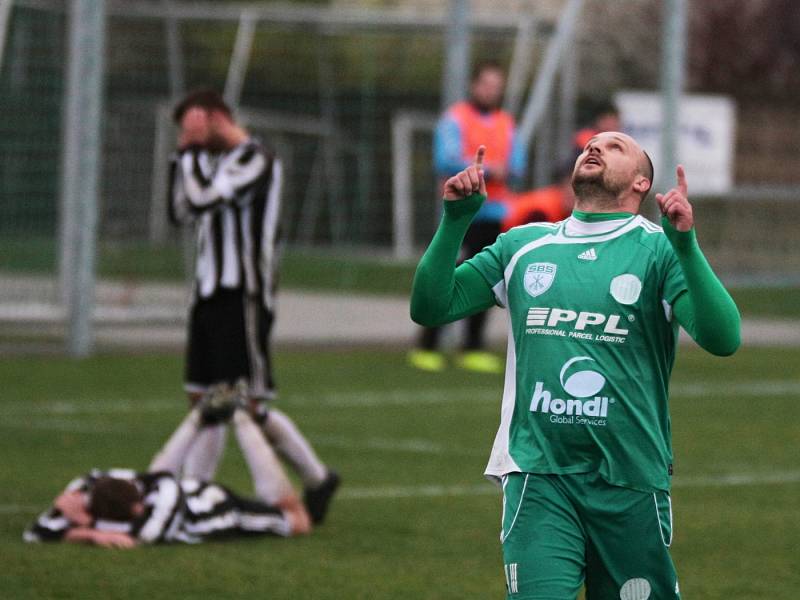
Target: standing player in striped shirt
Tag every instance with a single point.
(228, 185)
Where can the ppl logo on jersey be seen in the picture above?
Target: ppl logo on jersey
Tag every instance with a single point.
(585, 406)
(539, 277)
(548, 321)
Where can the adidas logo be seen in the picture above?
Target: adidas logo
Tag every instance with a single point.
(590, 254)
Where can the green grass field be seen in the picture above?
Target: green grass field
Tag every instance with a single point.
(415, 518)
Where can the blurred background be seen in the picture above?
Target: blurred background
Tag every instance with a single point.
(95, 284)
(347, 93)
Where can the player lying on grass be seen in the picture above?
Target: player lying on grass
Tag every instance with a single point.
(584, 449)
(121, 508)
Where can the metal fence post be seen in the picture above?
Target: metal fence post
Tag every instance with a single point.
(402, 188)
(567, 105)
(81, 168)
(5, 19)
(520, 68)
(539, 99)
(240, 58)
(456, 52)
(673, 66)
(175, 62)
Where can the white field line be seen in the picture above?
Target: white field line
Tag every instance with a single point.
(43, 415)
(417, 446)
(410, 397)
(398, 397)
(333, 400)
(62, 425)
(372, 444)
(109, 407)
(761, 388)
(488, 489)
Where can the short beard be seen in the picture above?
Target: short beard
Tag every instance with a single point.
(596, 189)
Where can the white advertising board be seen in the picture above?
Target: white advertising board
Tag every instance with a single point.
(706, 140)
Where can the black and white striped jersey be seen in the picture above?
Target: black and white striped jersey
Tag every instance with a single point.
(174, 511)
(234, 200)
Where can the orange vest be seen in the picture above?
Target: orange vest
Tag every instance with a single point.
(495, 130)
(543, 204)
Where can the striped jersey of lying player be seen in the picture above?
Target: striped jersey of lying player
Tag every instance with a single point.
(122, 508)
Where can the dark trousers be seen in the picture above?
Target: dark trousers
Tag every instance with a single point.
(479, 235)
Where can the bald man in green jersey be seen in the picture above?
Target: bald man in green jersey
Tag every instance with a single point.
(584, 451)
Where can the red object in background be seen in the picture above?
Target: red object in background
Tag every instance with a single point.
(583, 136)
(544, 204)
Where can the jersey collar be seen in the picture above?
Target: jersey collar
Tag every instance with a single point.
(583, 223)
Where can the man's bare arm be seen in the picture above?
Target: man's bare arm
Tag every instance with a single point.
(105, 539)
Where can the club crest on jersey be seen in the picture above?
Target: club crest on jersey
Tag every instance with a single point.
(539, 277)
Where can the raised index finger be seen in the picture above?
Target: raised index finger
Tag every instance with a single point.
(479, 157)
(682, 185)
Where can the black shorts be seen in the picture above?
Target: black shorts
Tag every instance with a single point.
(229, 339)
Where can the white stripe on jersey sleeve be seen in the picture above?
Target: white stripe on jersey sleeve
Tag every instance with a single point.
(230, 177)
(272, 212)
(230, 259)
(199, 196)
(181, 208)
(206, 267)
(164, 500)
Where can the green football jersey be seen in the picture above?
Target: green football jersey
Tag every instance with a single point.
(591, 345)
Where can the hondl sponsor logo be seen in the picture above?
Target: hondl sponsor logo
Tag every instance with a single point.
(583, 387)
(543, 401)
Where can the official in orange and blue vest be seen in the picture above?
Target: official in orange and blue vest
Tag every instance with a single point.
(463, 127)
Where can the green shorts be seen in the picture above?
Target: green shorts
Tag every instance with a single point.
(561, 531)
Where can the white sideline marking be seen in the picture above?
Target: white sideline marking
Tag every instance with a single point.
(397, 397)
(49, 409)
(61, 407)
(756, 387)
(409, 397)
(487, 489)
(418, 491)
(738, 479)
(63, 425)
(334, 400)
(420, 446)
(416, 446)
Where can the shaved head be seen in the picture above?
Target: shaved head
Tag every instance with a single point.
(613, 170)
(645, 164)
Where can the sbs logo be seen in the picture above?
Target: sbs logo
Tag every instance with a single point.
(539, 277)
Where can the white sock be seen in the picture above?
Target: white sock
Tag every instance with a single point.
(173, 453)
(269, 479)
(294, 448)
(206, 452)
